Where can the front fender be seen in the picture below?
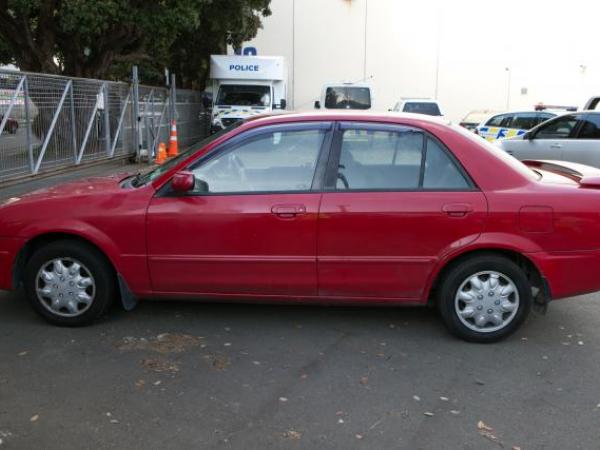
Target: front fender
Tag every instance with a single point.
(79, 229)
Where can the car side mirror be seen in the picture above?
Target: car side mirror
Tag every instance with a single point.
(201, 186)
(183, 181)
(528, 136)
(317, 104)
(282, 104)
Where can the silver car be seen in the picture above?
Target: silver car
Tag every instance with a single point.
(571, 137)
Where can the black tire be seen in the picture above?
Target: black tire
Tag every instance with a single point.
(460, 272)
(96, 263)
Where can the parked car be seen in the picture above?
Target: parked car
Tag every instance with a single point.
(570, 137)
(506, 125)
(11, 125)
(328, 208)
(425, 106)
(475, 118)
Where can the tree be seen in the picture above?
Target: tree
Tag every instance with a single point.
(103, 38)
(220, 23)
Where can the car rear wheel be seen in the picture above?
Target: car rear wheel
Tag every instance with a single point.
(484, 298)
(69, 283)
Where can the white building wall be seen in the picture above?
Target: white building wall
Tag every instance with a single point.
(550, 50)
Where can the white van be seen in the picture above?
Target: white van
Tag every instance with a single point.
(244, 86)
(345, 96)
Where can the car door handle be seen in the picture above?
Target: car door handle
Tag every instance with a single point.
(288, 211)
(457, 209)
(556, 146)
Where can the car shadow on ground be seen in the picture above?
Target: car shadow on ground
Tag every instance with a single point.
(15, 309)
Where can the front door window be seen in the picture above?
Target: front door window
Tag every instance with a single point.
(277, 161)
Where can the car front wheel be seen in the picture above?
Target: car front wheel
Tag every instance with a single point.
(484, 298)
(69, 283)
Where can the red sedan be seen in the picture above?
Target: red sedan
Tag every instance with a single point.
(330, 208)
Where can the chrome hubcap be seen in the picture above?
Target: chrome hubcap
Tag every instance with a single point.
(487, 301)
(65, 287)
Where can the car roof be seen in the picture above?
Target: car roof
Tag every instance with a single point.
(530, 111)
(344, 115)
(347, 84)
(527, 111)
(416, 99)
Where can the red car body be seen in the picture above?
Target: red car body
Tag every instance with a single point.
(324, 246)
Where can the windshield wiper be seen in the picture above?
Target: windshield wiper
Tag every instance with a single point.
(135, 182)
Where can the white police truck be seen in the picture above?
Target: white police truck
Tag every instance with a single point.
(244, 86)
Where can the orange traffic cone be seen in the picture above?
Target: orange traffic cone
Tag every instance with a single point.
(173, 149)
(161, 154)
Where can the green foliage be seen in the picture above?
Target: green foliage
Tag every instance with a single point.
(103, 38)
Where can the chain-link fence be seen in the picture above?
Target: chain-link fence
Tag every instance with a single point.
(49, 122)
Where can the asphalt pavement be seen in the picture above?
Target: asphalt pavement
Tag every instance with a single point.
(177, 375)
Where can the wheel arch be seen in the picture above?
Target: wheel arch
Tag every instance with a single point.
(38, 241)
(532, 271)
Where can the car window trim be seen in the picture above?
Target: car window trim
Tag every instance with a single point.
(254, 133)
(330, 185)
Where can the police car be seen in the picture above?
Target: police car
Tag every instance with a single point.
(510, 124)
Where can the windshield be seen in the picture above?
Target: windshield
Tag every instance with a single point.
(164, 168)
(244, 95)
(428, 108)
(344, 97)
(475, 117)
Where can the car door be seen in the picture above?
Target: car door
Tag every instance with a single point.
(395, 200)
(585, 148)
(546, 141)
(250, 227)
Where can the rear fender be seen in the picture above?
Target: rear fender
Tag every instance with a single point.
(486, 241)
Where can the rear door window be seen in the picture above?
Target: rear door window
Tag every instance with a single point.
(394, 159)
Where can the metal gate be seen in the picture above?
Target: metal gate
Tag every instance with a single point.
(50, 122)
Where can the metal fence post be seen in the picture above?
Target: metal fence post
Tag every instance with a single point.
(151, 145)
(73, 124)
(106, 120)
(89, 125)
(148, 123)
(51, 128)
(173, 98)
(120, 124)
(28, 140)
(135, 111)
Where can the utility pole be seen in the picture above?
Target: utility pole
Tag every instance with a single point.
(508, 71)
(437, 54)
(365, 44)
